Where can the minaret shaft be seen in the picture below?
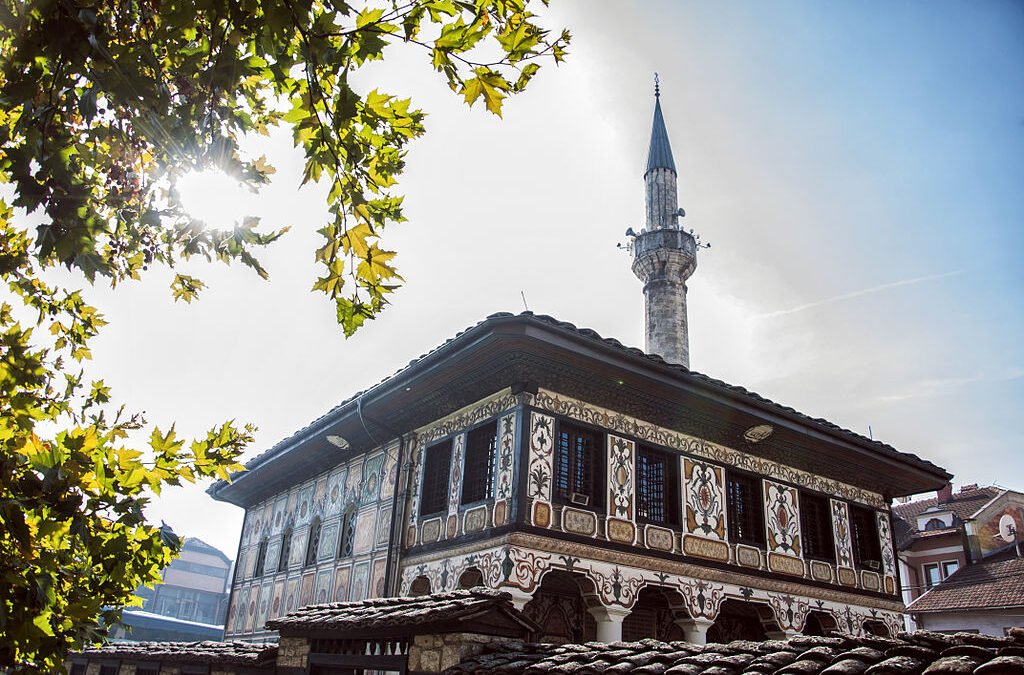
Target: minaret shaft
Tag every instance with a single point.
(664, 256)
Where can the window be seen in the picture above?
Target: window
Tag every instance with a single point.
(348, 532)
(867, 552)
(745, 505)
(286, 550)
(656, 482)
(437, 467)
(949, 567)
(578, 466)
(816, 527)
(478, 469)
(261, 558)
(934, 524)
(931, 575)
(314, 541)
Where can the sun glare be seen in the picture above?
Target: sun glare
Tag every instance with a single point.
(215, 198)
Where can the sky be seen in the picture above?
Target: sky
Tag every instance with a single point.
(857, 168)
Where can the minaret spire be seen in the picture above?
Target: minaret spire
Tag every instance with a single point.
(664, 255)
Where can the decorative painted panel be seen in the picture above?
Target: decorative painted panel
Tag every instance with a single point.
(506, 449)
(538, 485)
(328, 545)
(377, 578)
(263, 611)
(455, 479)
(365, 522)
(705, 499)
(790, 611)
(306, 589)
(291, 595)
(698, 447)
(389, 475)
(373, 470)
(322, 593)
(304, 506)
(621, 453)
(841, 533)
(280, 513)
(277, 604)
(341, 579)
(336, 490)
(360, 579)
(885, 540)
(782, 518)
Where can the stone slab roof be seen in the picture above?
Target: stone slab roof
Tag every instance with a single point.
(917, 653)
(389, 614)
(209, 652)
(995, 582)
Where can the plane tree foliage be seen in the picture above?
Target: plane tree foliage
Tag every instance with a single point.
(105, 104)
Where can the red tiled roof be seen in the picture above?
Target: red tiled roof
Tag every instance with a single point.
(997, 582)
(962, 504)
(209, 652)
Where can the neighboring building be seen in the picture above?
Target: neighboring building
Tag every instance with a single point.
(958, 556)
(612, 493)
(190, 603)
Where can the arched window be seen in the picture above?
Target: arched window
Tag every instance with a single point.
(421, 586)
(314, 541)
(471, 578)
(286, 550)
(261, 558)
(935, 524)
(348, 532)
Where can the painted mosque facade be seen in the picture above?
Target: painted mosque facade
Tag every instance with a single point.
(614, 494)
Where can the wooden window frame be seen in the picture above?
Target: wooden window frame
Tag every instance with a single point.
(436, 481)
(817, 536)
(260, 568)
(745, 521)
(286, 549)
(313, 543)
(664, 488)
(579, 466)
(478, 467)
(347, 536)
(867, 548)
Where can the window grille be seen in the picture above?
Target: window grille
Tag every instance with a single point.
(578, 465)
(745, 504)
(867, 552)
(286, 550)
(816, 527)
(478, 469)
(261, 558)
(656, 479)
(314, 541)
(437, 468)
(348, 532)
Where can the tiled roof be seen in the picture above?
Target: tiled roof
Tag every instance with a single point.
(912, 654)
(392, 613)
(681, 371)
(212, 653)
(962, 504)
(995, 582)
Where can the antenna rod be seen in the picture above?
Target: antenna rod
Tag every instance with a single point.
(523, 293)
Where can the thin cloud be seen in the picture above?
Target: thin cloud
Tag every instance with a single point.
(942, 386)
(857, 294)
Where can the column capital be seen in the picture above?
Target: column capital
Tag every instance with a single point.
(695, 630)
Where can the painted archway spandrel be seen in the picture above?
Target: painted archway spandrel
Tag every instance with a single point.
(703, 599)
(704, 488)
(621, 460)
(782, 518)
(617, 586)
(790, 611)
(538, 485)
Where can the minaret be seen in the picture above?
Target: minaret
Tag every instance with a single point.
(664, 256)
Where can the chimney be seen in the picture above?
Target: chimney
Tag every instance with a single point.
(945, 494)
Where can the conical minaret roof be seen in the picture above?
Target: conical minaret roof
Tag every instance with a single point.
(659, 156)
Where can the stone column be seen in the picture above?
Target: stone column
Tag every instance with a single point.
(695, 630)
(609, 622)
